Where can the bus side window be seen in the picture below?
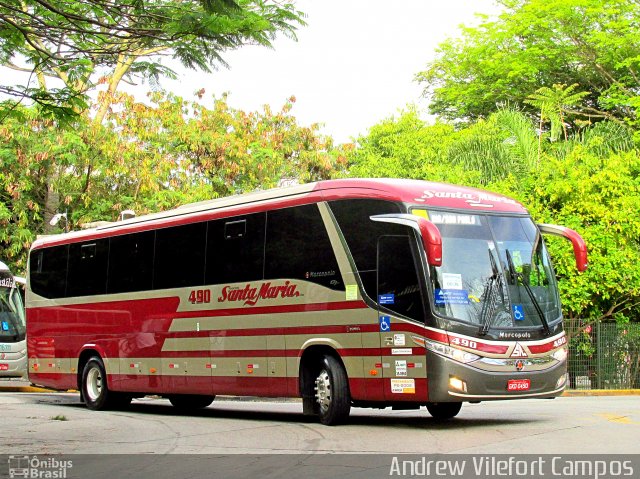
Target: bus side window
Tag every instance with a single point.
(298, 247)
(87, 268)
(235, 249)
(399, 285)
(48, 277)
(361, 234)
(130, 262)
(180, 256)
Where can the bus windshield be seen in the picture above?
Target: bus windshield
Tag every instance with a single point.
(495, 272)
(12, 317)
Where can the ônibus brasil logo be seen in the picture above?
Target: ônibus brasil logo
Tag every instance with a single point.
(251, 295)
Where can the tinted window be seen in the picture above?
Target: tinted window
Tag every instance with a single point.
(88, 268)
(361, 234)
(48, 270)
(399, 285)
(130, 263)
(298, 247)
(235, 249)
(179, 258)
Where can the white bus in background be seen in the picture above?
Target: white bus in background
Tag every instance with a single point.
(13, 346)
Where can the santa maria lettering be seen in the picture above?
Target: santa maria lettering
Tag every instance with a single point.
(250, 295)
(468, 197)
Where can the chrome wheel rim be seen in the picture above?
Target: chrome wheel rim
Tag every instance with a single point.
(94, 384)
(323, 390)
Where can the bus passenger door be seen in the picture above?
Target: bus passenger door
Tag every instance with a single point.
(400, 307)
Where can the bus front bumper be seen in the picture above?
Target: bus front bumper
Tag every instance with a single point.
(451, 381)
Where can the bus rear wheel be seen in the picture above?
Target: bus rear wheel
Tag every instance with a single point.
(444, 410)
(187, 402)
(332, 392)
(95, 393)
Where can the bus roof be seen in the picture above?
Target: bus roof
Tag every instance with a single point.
(416, 192)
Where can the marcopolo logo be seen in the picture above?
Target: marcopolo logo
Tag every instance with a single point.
(38, 468)
(251, 295)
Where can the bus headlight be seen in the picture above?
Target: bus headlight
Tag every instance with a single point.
(560, 355)
(451, 353)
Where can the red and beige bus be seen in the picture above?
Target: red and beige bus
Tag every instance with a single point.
(362, 292)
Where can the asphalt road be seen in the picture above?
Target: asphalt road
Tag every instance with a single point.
(57, 423)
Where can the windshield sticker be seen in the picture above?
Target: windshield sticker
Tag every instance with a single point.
(451, 296)
(387, 299)
(451, 281)
(420, 212)
(455, 219)
(385, 323)
(518, 312)
(352, 292)
(5, 326)
(403, 386)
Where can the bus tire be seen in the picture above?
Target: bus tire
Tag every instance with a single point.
(95, 393)
(188, 402)
(332, 392)
(444, 410)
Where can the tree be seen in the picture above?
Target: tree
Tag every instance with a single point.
(84, 43)
(554, 103)
(407, 147)
(599, 197)
(146, 157)
(486, 151)
(538, 43)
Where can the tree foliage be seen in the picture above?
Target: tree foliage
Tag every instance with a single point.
(146, 157)
(540, 43)
(87, 42)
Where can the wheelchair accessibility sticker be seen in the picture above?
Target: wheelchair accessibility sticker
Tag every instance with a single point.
(385, 323)
(518, 312)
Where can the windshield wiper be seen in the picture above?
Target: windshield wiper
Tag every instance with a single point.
(489, 304)
(515, 276)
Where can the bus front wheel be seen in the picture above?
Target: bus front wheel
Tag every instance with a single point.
(444, 410)
(332, 392)
(95, 393)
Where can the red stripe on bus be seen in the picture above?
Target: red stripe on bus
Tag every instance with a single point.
(540, 348)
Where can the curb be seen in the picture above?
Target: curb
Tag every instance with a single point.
(24, 389)
(602, 392)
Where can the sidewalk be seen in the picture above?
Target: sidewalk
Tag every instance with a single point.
(601, 392)
(19, 385)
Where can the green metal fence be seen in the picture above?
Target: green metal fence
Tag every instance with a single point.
(605, 356)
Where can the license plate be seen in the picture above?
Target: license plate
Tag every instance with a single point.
(518, 384)
(4, 367)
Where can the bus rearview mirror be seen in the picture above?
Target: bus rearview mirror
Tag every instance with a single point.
(579, 246)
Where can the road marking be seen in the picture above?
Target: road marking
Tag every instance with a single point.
(617, 418)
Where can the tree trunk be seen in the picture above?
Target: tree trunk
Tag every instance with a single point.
(51, 205)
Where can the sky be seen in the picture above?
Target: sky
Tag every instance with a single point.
(352, 66)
